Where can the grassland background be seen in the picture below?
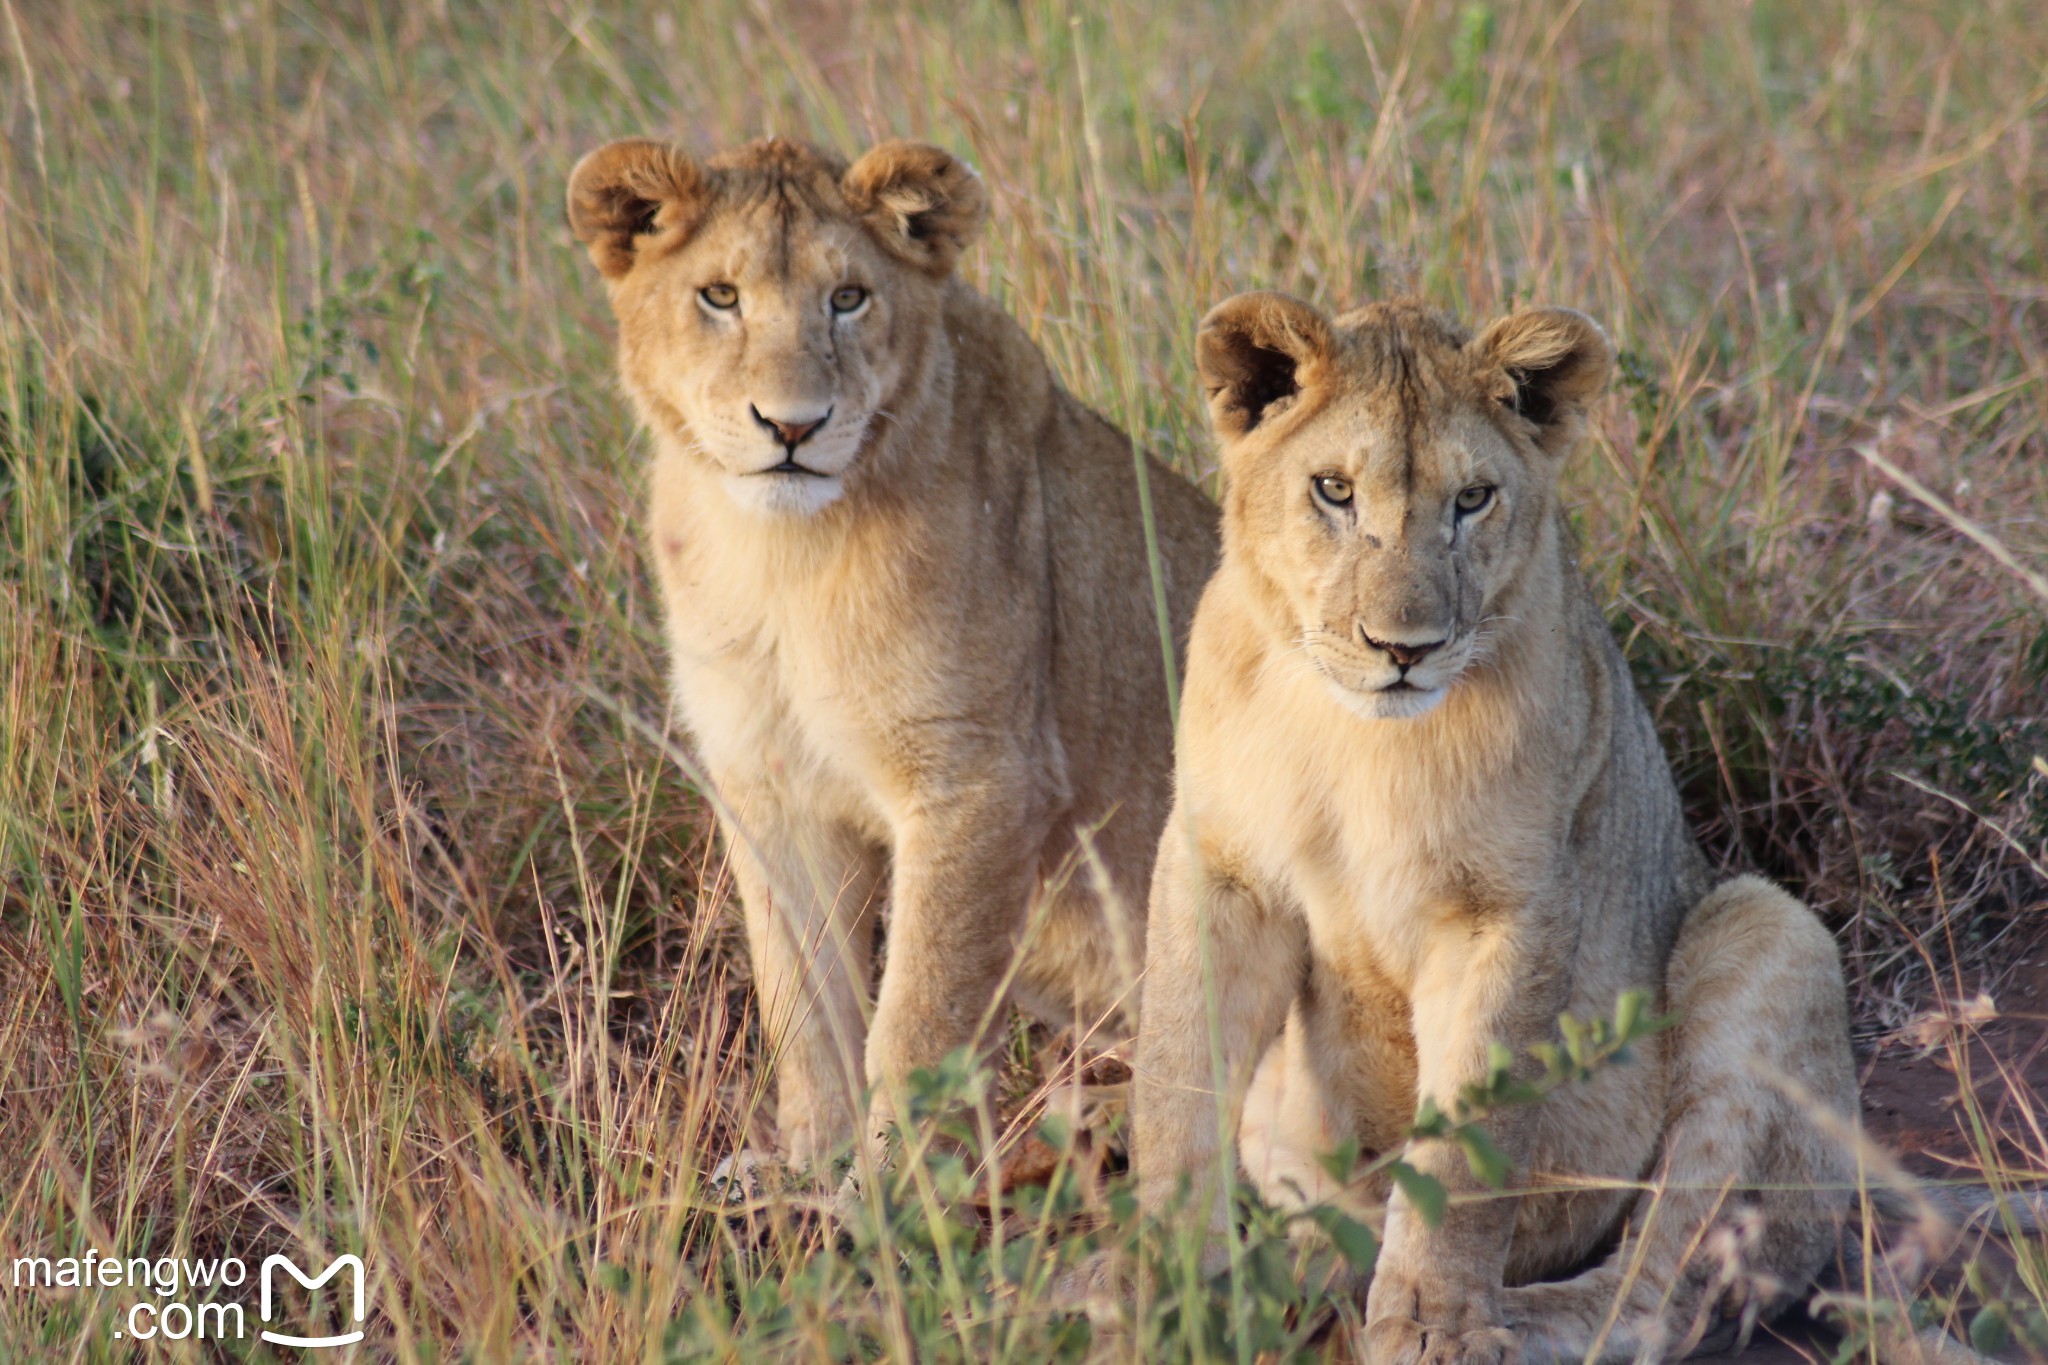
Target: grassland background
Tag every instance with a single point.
(346, 904)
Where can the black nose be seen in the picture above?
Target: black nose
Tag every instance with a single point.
(790, 434)
(1405, 657)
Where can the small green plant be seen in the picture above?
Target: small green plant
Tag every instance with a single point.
(929, 1237)
(1469, 45)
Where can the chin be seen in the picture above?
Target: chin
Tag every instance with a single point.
(796, 496)
(1390, 703)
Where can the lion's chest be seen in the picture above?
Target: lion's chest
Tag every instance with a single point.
(758, 707)
(760, 676)
(1364, 872)
(1378, 848)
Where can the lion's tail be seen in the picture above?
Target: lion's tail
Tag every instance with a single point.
(1872, 1292)
(2010, 1212)
(1872, 1302)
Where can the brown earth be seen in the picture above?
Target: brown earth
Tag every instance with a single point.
(1912, 1092)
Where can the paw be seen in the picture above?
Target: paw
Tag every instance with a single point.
(1404, 1341)
(848, 1205)
(740, 1178)
(814, 1149)
(1101, 1286)
(869, 1170)
(1427, 1307)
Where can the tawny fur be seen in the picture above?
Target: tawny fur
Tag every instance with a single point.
(1375, 872)
(920, 657)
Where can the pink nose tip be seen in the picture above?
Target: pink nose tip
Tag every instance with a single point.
(790, 434)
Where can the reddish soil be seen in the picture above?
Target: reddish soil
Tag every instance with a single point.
(1911, 1095)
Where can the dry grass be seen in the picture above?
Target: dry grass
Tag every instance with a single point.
(337, 912)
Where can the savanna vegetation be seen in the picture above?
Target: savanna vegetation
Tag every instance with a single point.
(354, 894)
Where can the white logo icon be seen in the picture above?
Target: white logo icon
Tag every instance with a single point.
(354, 1264)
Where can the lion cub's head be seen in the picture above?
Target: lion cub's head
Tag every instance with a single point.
(773, 302)
(1389, 476)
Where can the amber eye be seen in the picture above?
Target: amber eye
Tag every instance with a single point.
(848, 298)
(1470, 500)
(719, 296)
(1333, 489)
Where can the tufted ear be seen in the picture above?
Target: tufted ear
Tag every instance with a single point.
(1255, 353)
(923, 203)
(1554, 362)
(629, 190)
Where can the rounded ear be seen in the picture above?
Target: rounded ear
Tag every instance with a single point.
(923, 203)
(631, 189)
(1556, 361)
(1255, 353)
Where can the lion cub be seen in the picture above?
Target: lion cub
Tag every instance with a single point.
(910, 616)
(1420, 811)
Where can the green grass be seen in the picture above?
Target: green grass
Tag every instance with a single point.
(343, 903)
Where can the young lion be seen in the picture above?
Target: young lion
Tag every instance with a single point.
(909, 609)
(1422, 811)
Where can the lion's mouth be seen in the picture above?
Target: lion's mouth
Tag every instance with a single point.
(790, 466)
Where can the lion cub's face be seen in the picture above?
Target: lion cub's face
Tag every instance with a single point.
(771, 301)
(1389, 475)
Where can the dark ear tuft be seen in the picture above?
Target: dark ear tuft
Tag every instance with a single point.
(923, 203)
(627, 190)
(1555, 362)
(1255, 353)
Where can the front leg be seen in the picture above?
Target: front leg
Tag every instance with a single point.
(1209, 942)
(965, 868)
(807, 887)
(1436, 1291)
